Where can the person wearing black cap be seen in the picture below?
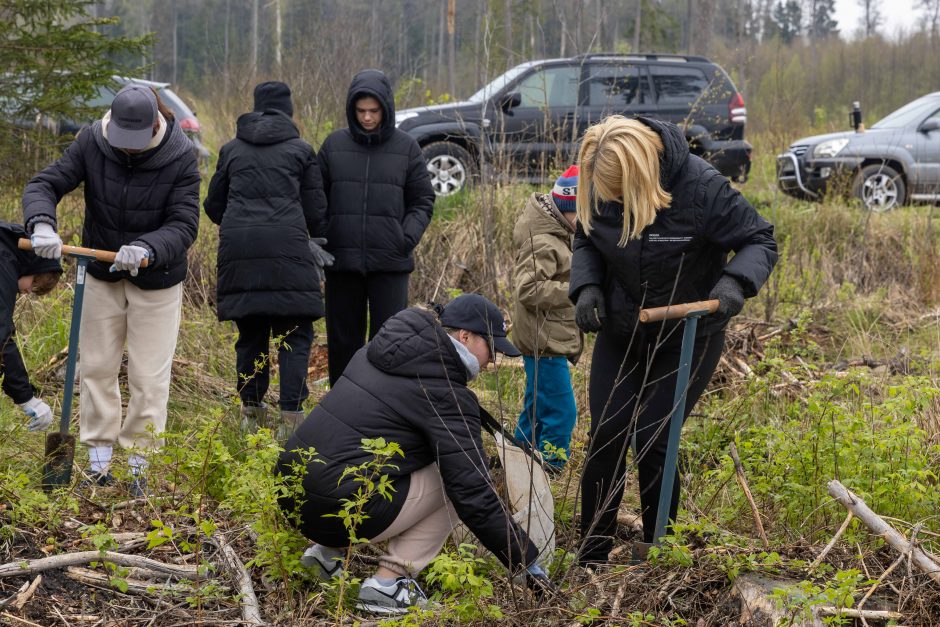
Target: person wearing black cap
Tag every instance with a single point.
(141, 192)
(380, 202)
(267, 198)
(21, 272)
(409, 386)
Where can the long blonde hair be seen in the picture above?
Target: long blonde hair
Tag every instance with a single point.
(619, 161)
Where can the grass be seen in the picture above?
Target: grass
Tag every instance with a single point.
(849, 285)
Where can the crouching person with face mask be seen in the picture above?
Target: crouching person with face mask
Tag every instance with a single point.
(409, 386)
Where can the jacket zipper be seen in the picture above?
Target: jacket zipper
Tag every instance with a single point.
(127, 178)
(365, 207)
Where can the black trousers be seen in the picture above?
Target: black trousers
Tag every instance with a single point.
(15, 383)
(631, 393)
(350, 296)
(294, 335)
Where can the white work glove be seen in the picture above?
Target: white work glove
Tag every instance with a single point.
(40, 414)
(46, 242)
(129, 258)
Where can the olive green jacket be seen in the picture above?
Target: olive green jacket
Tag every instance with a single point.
(543, 316)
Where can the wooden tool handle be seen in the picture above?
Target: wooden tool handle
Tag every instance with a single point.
(674, 312)
(101, 255)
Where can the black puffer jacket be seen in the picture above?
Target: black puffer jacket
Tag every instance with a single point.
(15, 263)
(267, 196)
(149, 199)
(683, 253)
(408, 386)
(377, 185)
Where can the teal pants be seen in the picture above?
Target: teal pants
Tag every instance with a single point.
(549, 413)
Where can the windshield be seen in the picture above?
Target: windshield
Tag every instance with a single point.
(498, 83)
(911, 113)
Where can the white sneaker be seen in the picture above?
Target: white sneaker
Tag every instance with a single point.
(325, 567)
(393, 599)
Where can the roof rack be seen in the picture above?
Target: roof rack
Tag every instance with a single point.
(648, 56)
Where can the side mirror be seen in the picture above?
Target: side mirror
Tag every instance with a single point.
(510, 100)
(930, 124)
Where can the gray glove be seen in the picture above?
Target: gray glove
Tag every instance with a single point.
(40, 414)
(46, 242)
(129, 257)
(730, 296)
(589, 312)
(322, 258)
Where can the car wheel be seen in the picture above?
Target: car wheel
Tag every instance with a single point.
(880, 188)
(450, 167)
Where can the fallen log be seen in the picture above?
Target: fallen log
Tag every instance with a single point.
(32, 567)
(879, 527)
(848, 612)
(134, 586)
(251, 614)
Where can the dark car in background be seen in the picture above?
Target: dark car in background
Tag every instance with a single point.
(528, 120)
(895, 162)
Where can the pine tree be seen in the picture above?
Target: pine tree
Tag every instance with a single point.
(822, 19)
(785, 21)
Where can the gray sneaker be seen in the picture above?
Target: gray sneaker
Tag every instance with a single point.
(394, 599)
(325, 567)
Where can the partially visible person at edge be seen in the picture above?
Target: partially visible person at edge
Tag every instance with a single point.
(409, 386)
(267, 197)
(543, 318)
(21, 272)
(380, 201)
(655, 226)
(142, 200)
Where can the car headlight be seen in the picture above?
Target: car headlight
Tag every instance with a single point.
(830, 148)
(401, 117)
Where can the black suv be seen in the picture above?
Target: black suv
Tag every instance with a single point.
(528, 120)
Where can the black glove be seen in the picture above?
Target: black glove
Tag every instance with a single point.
(730, 296)
(540, 585)
(589, 312)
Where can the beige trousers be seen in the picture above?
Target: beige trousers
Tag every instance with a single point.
(148, 321)
(419, 531)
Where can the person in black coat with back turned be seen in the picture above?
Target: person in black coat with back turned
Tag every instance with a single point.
(408, 386)
(655, 228)
(267, 197)
(380, 202)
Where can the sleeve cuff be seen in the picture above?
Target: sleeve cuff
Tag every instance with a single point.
(32, 222)
(151, 255)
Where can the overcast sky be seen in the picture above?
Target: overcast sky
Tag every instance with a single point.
(897, 14)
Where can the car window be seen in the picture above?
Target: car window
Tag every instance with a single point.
(911, 113)
(677, 85)
(498, 83)
(176, 104)
(616, 86)
(550, 87)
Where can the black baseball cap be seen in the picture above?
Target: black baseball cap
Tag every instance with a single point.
(476, 314)
(133, 112)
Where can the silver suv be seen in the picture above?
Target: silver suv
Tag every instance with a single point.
(895, 162)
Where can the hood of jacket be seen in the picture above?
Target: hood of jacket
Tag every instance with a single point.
(675, 150)
(371, 83)
(540, 217)
(412, 343)
(175, 144)
(265, 127)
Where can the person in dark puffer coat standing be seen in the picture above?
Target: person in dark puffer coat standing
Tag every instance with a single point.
(380, 202)
(267, 196)
(142, 200)
(655, 227)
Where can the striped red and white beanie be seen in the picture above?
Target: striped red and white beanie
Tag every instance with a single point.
(565, 191)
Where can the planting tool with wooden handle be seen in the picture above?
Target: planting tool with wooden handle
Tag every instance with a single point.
(60, 445)
(691, 312)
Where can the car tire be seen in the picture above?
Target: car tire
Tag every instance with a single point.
(451, 167)
(880, 188)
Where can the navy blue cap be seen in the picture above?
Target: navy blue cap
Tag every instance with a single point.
(476, 314)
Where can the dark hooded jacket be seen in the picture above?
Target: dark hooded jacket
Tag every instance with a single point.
(377, 186)
(15, 263)
(682, 254)
(150, 199)
(409, 386)
(267, 197)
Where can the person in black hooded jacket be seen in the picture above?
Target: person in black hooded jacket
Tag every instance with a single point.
(380, 201)
(141, 188)
(21, 272)
(656, 225)
(267, 197)
(408, 386)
